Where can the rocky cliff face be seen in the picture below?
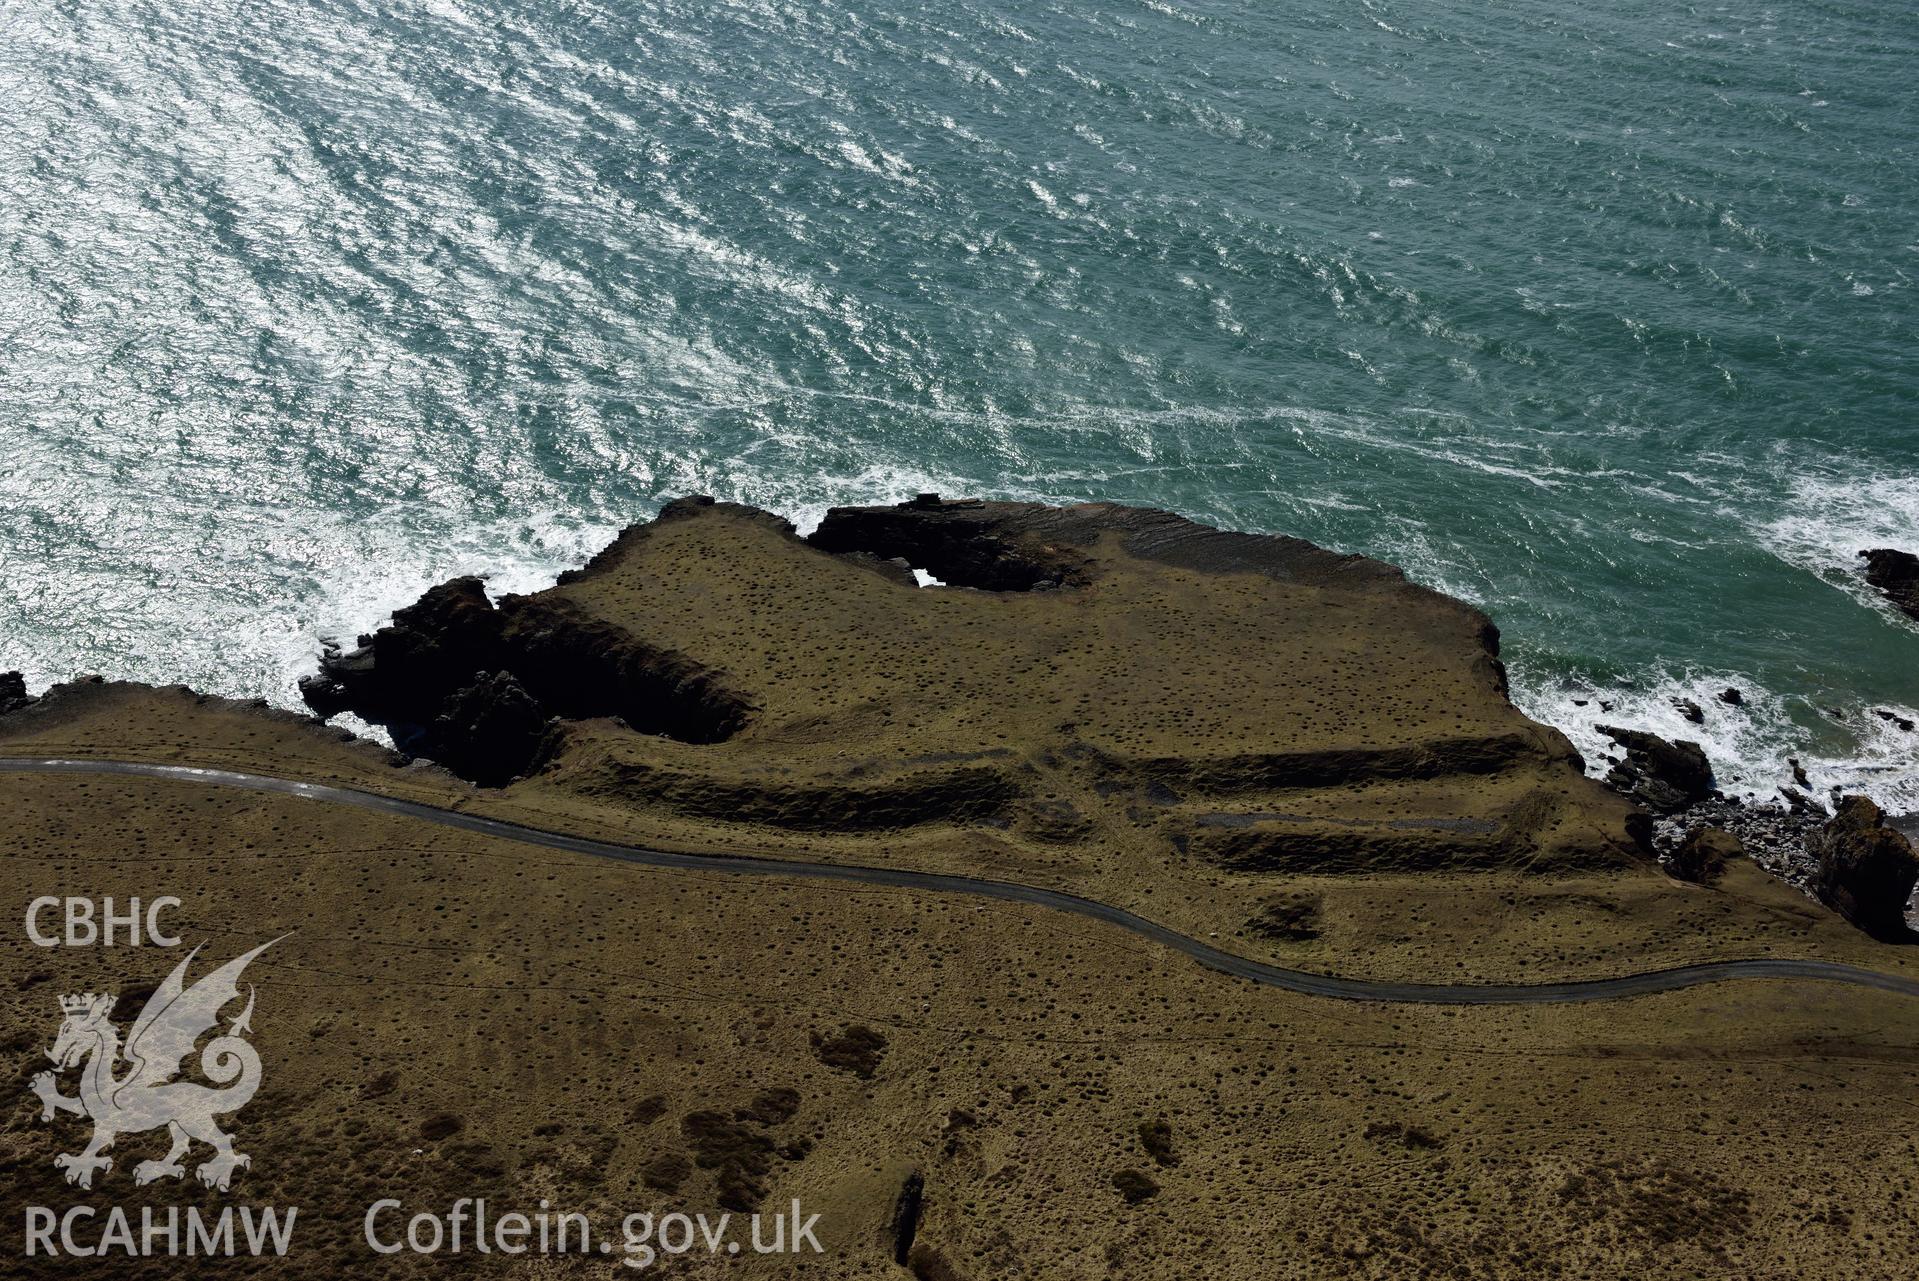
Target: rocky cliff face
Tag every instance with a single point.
(1089, 675)
(13, 692)
(478, 687)
(1867, 869)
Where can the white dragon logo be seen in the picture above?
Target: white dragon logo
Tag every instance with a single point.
(148, 1097)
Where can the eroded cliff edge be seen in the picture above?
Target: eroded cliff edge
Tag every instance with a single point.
(1248, 739)
(1102, 678)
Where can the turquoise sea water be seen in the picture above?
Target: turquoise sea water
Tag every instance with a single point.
(1603, 319)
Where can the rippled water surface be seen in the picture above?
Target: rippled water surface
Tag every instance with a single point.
(1602, 319)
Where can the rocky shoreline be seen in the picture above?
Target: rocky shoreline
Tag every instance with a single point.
(1852, 858)
(487, 689)
(1772, 836)
(576, 678)
(1841, 850)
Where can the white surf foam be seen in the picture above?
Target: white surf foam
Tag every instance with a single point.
(1750, 745)
(1831, 518)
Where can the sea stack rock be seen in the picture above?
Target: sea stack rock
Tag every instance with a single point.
(1896, 575)
(1665, 777)
(13, 692)
(1867, 869)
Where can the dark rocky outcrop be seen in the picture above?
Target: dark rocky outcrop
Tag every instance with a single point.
(996, 546)
(401, 674)
(895, 569)
(13, 692)
(582, 667)
(477, 687)
(1896, 575)
(492, 731)
(1867, 869)
(1663, 776)
(1703, 855)
(959, 543)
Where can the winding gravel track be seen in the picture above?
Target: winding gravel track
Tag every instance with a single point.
(1345, 989)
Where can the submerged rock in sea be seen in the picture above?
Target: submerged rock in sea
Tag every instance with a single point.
(1663, 776)
(1703, 855)
(1896, 575)
(1232, 701)
(13, 692)
(1867, 868)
